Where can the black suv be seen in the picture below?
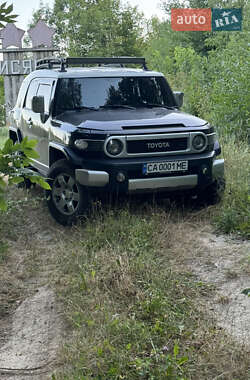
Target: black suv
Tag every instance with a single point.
(114, 129)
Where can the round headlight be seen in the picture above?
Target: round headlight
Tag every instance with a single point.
(199, 142)
(81, 144)
(114, 147)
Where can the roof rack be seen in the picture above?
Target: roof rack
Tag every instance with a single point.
(48, 63)
(62, 63)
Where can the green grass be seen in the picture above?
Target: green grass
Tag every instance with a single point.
(121, 306)
(131, 314)
(3, 135)
(234, 213)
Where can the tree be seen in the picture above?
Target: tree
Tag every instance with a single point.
(98, 27)
(44, 12)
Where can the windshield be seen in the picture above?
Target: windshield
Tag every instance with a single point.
(84, 93)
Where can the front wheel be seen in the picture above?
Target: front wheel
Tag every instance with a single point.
(67, 200)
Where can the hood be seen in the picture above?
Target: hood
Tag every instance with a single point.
(122, 119)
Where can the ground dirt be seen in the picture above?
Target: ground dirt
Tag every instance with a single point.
(31, 323)
(224, 263)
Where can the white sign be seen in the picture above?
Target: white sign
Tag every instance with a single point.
(17, 67)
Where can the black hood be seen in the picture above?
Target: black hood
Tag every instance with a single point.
(122, 119)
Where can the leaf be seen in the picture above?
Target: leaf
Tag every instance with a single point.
(3, 204)
(183, 360)
(16, 180)
(7, 147)
(9, 9)
(30, 153)
(44, 184)
(246, 292)
(3, 5)
(176, 350)
(2, 182)
(30, 143)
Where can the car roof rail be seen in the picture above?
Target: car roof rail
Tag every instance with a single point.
(62, 63)
(106, 61)
(49, 63)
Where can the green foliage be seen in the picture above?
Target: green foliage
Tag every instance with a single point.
(44, 12)
(215, 81)
(228, 72)
(234, 213)
(102, 28)
(5, 14)
(246, 292)
(14, 162)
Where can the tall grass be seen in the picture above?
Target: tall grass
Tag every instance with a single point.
(234, 212)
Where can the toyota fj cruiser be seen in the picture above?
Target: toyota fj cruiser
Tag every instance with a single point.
(114, 129)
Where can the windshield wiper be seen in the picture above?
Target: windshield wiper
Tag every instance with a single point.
(152, 105)
(117, 106)
(84, 108)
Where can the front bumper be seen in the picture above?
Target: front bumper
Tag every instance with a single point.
(204, 172)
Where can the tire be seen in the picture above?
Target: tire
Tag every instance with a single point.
(67, 200)
(213, 193)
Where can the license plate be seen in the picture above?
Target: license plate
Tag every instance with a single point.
(165, 167)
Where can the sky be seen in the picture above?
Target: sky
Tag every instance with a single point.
(25, 8)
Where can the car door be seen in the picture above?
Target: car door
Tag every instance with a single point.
(36, 126)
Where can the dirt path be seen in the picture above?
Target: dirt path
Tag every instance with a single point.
(30, 323)
(224, 263)
(33, 340)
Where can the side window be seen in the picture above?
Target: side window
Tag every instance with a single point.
(32, 90)
(45, 90)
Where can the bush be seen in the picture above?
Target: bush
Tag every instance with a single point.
(234, 213)
(14, 162)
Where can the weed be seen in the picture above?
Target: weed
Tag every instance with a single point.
(234, 213)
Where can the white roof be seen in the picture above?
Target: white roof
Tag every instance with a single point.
(95, 72)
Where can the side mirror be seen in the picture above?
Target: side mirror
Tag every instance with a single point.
(38, 104)
(179, 98)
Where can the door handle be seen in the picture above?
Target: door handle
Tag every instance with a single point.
(30, 123)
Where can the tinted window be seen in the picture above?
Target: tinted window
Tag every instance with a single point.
(45, 90)
(32, 90)
(75, 93)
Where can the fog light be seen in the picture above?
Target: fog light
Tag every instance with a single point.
(204, 170)
(120, 177)
(81, 144)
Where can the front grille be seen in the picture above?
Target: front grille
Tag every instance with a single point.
(157, 145)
